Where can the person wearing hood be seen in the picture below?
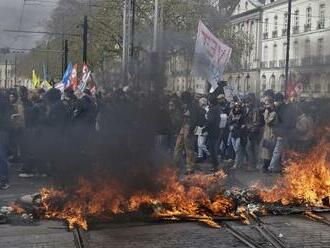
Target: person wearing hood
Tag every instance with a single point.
(213, 130)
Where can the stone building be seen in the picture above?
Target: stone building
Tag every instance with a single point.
(10, 74)
(246, 22)
(309, 56)
(263, 67)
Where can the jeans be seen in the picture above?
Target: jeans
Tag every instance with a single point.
(236, 143)
(201, 144)
(277, 154)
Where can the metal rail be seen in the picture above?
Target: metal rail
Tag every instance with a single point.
(242, 237)
(270, 236)
(80, 239)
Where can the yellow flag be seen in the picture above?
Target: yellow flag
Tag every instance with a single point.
(35, 80)
(46, 85)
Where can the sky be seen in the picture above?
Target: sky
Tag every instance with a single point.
(32, 16)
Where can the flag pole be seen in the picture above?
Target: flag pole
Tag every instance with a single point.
(288, 36)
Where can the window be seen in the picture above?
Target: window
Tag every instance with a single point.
(309, 16)
(252, 28)
(263, 83)
(307, 48)
(296, 20)
(266, 53)
(266, 26)
(272, 82)
(282, 83)
(284, 50)
(321, 16)
(275, 23)
(320, 47)
(275, 52)
(238, 83)
(247, 85)
(295, 50)
(285, 21)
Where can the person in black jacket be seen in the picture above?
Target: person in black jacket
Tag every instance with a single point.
(213, 130)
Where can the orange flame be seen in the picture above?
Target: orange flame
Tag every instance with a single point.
(306, 179)
(105, 199)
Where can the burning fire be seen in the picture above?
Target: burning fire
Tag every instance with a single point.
(306, 179)
(196, 197)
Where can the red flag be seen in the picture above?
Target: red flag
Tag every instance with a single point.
(294, 87)
(73, 77)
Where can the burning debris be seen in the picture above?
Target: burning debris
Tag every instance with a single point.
(306, 180)
(198, 197)
(304, 188)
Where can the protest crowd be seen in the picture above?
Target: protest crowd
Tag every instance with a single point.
(243, 132)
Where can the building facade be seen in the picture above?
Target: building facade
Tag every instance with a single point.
(246, 23)
(309, 56)
(9, 81)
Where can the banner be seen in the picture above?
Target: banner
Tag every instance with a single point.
(211, 56)
(35, 80)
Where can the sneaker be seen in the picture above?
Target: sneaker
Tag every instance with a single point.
(25, 175)
(4, 186)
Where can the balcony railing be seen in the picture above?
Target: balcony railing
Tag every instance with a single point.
(284, 32)
(295, 29)
(272, 63)
(306, 61)
(265, 36)
(307, 27)
(274, 34)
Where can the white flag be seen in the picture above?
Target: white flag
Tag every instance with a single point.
(211, 56)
